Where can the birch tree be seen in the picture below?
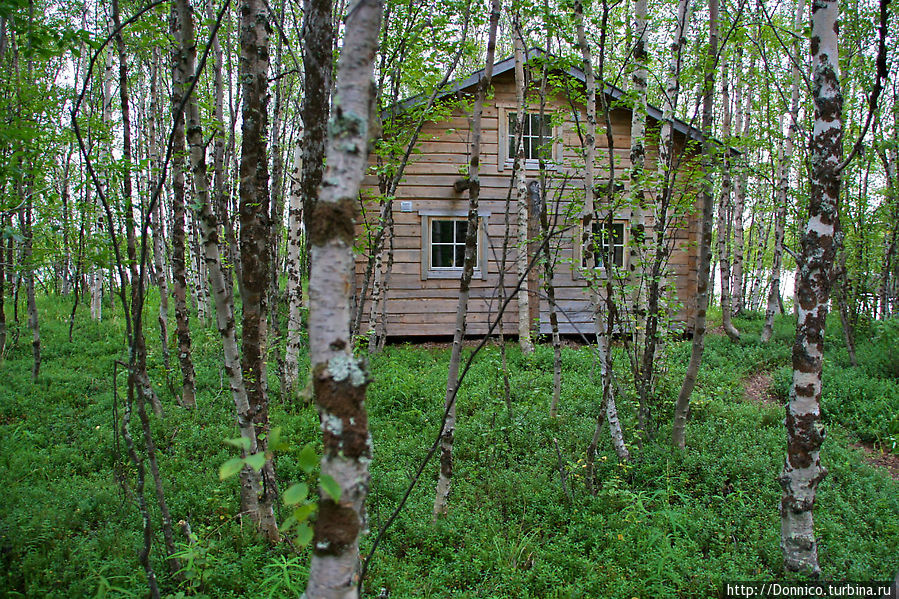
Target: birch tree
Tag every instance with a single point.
(682, 406)
(255, 228)
(785, 156)
(588, 246)
(724, 210)
(803, 471)
(262, 514)
(339, 379)
(444, 480)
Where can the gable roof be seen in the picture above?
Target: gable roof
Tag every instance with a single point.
(508, 64)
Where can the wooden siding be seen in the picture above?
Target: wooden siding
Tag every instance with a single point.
(427, 307)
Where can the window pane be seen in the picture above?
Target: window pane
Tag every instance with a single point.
(442, 256)
(460, 256)
(609, 243)
(461, 228)
(442, 231)
(513, 122)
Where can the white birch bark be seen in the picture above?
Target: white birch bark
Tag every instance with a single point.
(802, 469)
(521, 189)
(339, 378)
(636, 265)
(294, 278)
(724, 209)
(741, 126)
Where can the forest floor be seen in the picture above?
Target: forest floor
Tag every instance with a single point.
(757, 389)
(669, 524)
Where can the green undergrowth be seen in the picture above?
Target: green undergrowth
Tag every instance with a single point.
(666, 525)
(865, 398)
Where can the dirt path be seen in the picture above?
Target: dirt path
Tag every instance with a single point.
(756, 389)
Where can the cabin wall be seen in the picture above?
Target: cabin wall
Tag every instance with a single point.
(419, 305)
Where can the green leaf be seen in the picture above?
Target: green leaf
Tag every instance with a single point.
(288, 524)
(303, 512)
(275, 443)
(330, 486)
(241, 442)
(230, 468)
(256, 461)
(304, 535)
(296, 493)
(308, 459)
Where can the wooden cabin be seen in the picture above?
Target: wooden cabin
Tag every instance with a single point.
(430, 214)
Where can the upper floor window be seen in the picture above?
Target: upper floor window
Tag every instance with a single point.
(536, 136)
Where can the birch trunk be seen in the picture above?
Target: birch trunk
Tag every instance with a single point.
(724, 209)
(250, 480)
(741, 126)
(444, 481)
(636, 265)
(521, 257)
(645, 374)
(603, 328)
(255, 228)
(156, 221)
(890, 163)
(682, 406)
(96, 274)
(339, 379)
(317, 59)
(802, 469)
(294, 275)
(180, 77)
(27, 263)
(783, 186)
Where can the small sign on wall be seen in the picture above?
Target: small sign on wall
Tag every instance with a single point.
(405, 206)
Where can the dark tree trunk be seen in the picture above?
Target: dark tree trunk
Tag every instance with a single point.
(255, 226)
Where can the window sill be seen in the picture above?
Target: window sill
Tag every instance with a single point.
(530, 165)
(451, 273)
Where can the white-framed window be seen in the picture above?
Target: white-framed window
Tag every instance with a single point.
(609, 244)
(443, 244)
(448, 242)
(538, 138)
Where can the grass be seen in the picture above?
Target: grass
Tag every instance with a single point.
(667, 525)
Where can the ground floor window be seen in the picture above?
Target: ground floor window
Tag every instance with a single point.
(448, 242)
(608, 244)
(443, 243)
